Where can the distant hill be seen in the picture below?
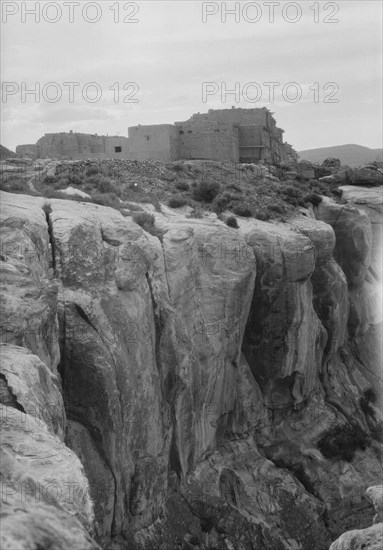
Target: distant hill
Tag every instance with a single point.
(350, 155)
(6, 153)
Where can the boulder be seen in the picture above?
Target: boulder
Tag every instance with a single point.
(375, 494)
(361, 539)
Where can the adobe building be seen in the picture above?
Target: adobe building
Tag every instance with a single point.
(77, 147)
(227, 135)
(236, 135)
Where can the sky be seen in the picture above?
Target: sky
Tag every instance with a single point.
(176, 58)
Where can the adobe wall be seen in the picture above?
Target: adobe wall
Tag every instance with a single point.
(157, 142)
(212, 140)
(251, 143)
(259, 138)
(111, 143)
(258, 117)
(29, 150)
(82, 146)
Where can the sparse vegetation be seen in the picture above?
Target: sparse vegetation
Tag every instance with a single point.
(49, 180)
(106, 199)
(242, 210)
(277, 209)
(313, 198)
(106, 185)
(341, 442)
(244, 191)
(47, 207)
(177, 167)
(231, 221)
(147, 222)
(144, 219)
(261, 215)
(182, 186)
(177, 201)
(206, 191)
(197, 213)
(13, 184)
(220, 203)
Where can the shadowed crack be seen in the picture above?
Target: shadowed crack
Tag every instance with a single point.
(7, 397)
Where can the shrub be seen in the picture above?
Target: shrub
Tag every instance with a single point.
(177, 201)
(13, 184)
(144, 219)
(232, 196)
(133, 207)
(105, 185)
(313, 198)
(206, 191)
(277, 208)
(182, 186)
(242, 210)
(93, 179)
(232, 222)
(197, 213)
(106, 199)
(290, 191)
(220, 204)
(177, 167)
(49, 180)
(341, 442)
(47, 207)
(262, 215)
(74, 179)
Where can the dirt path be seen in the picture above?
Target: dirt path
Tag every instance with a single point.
(30, 177)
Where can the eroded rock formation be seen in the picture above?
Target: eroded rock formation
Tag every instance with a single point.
(365, 539)
(190, 378)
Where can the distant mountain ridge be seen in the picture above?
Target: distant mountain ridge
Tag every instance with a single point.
(351, 155)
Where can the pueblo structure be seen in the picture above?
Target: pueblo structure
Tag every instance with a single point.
(230, 135)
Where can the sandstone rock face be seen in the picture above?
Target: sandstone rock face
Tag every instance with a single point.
(283, 340)
(32, 387)
(192, 377)
(370, 200)
(353, 238)
(375, 494)
(366, 175)
(365, 539)
(45, 492)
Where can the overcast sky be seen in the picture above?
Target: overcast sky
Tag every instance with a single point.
(170, 52)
